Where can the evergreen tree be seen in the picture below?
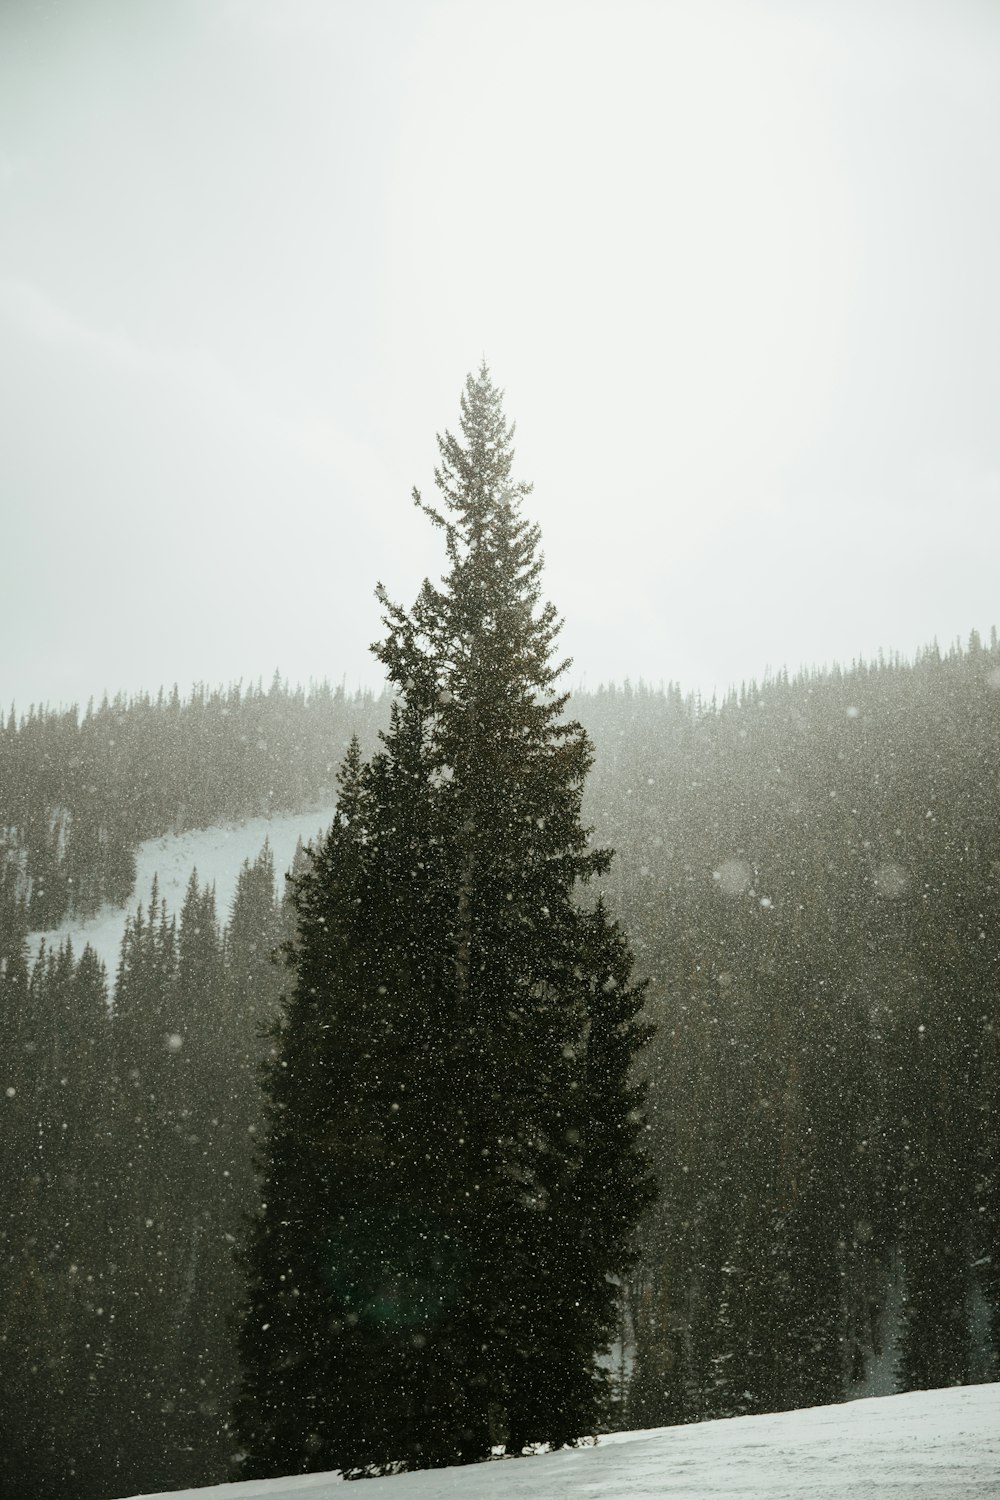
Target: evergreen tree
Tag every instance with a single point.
(146, 1255)
(196, 1364)
(452, 1175)
(53, 1248)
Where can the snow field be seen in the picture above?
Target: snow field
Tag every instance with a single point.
(218, 855)
(926, 1445)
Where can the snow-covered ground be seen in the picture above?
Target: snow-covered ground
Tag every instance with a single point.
(216, 853)
(928, 1445)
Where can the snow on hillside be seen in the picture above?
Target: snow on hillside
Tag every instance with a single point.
(927, 1445)
(216, 853)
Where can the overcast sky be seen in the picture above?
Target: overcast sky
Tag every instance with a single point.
(735, 266)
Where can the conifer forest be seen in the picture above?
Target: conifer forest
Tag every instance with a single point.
(616, 1058)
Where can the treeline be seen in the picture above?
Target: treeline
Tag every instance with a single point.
(78, 794)
(126, 1157)
(809, 872)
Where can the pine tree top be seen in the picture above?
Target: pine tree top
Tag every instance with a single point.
(485, 618)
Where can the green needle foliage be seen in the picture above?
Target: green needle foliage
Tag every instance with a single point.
(453, 1171)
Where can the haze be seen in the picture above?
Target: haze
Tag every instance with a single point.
(734, 265)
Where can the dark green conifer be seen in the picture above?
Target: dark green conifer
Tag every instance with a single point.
(452, 1175)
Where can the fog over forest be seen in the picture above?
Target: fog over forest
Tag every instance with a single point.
(621, 1049)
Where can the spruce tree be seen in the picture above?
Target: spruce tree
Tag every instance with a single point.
(453, 1172)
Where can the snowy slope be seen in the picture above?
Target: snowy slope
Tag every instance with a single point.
(928, 1445)
(216, 853)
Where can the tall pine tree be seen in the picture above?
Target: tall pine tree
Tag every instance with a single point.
(453, 1172)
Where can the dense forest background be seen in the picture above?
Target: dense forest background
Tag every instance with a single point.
(808, 871)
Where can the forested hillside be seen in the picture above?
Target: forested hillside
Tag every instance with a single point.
(808, 872)
(127, 1157)
(79, 793)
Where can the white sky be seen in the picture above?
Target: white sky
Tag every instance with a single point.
(734, 264)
